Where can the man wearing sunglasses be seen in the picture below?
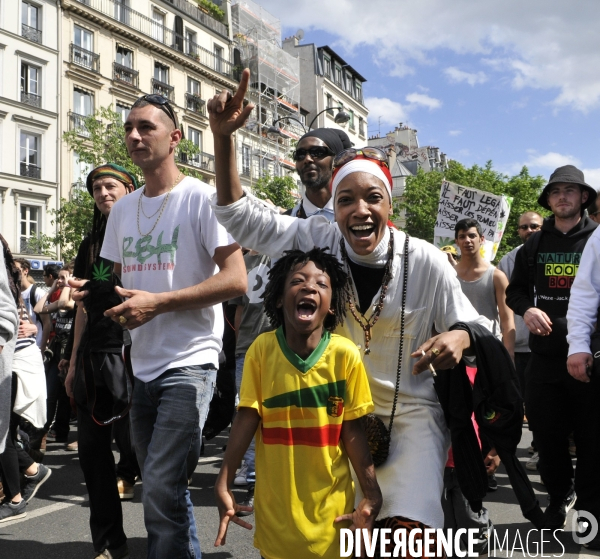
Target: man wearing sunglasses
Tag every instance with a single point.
(314, 164)
(177, 264)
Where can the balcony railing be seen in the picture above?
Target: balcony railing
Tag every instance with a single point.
(198, 15)
(125, 75)
(30, 245)
(149, 27)
(161, 88)
(85, 58)
(31, 171)
(195, 104)
(77, 122)
(201, 160)
(31, 99)
(31, 33)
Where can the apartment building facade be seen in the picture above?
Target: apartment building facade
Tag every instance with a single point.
(328, 82)
(115, 51)
(29, 121)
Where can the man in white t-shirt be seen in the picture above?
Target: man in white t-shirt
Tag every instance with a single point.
(177, 265)
(31, 294)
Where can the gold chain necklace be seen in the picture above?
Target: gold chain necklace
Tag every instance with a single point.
(364, 323)
(161, 208)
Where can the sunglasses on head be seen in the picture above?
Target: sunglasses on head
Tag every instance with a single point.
(532, 226)
(374, 154)
(162, 103)
(315, 152)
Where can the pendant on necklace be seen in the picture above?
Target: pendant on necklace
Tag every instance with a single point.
(367, 332)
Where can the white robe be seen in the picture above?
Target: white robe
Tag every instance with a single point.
(411, 479)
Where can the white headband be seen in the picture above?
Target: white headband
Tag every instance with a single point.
(360, 166)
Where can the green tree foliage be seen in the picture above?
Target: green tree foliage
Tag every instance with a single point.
(212, 9)
(421, 197)
(103, 141)
(278, 190)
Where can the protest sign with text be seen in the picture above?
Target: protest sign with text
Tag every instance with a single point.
(459, 202)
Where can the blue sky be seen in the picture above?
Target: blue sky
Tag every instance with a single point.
(515, 82)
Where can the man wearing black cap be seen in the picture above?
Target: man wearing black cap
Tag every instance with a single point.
(314, 164)
(96, 376)
(557, 403)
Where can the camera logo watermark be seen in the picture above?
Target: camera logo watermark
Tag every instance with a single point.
(585, 523)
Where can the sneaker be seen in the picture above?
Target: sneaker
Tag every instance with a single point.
(125, 489)
(492, 483)
(119, 553)
(50, 435)
(530, 449)
(73, 447)
(247, 502)
(532, 463)
(11, 511)
(240, 476)
(33, 483)
(556, 512)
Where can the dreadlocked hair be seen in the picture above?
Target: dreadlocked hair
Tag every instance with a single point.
(96, 239)
(293, 259)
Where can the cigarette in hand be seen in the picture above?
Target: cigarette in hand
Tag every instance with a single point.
(430, 365)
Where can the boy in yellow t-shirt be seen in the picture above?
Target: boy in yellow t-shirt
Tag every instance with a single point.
(303, 393)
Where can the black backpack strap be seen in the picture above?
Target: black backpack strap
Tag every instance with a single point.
(531, 249)
(33, 302)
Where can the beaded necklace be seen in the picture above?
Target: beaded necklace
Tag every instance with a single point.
(367, 324)
(161, 208)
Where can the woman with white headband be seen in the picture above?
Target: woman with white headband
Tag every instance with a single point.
(411, 479)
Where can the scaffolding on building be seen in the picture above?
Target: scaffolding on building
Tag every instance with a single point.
(274, 87)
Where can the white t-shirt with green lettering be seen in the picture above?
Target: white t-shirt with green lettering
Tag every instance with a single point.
(177, 253)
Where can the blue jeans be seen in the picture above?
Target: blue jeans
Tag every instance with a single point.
(167, 417)
(249, 456)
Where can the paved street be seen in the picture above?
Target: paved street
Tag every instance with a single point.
(57, 521)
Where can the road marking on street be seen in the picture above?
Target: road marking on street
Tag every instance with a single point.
(210, 459)
(67, 502)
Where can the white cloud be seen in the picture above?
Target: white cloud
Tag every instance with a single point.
(545, 163)
(472, 78)
(592, 177)
(550, 160)
(454, 132)
(420, 99)
(540, 44)
(391, 112)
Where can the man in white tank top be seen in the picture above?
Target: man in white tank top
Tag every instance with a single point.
(483, 284)
(485, 287)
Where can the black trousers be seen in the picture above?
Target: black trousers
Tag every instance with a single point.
(14, 459)
(98, 465)
(557, 405)
(58, 403)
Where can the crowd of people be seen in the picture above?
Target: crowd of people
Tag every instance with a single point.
(370, 366)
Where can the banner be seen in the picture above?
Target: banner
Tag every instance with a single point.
(459, 202)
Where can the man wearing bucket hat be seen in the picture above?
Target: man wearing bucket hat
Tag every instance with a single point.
(557, 403)
(97, 378)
